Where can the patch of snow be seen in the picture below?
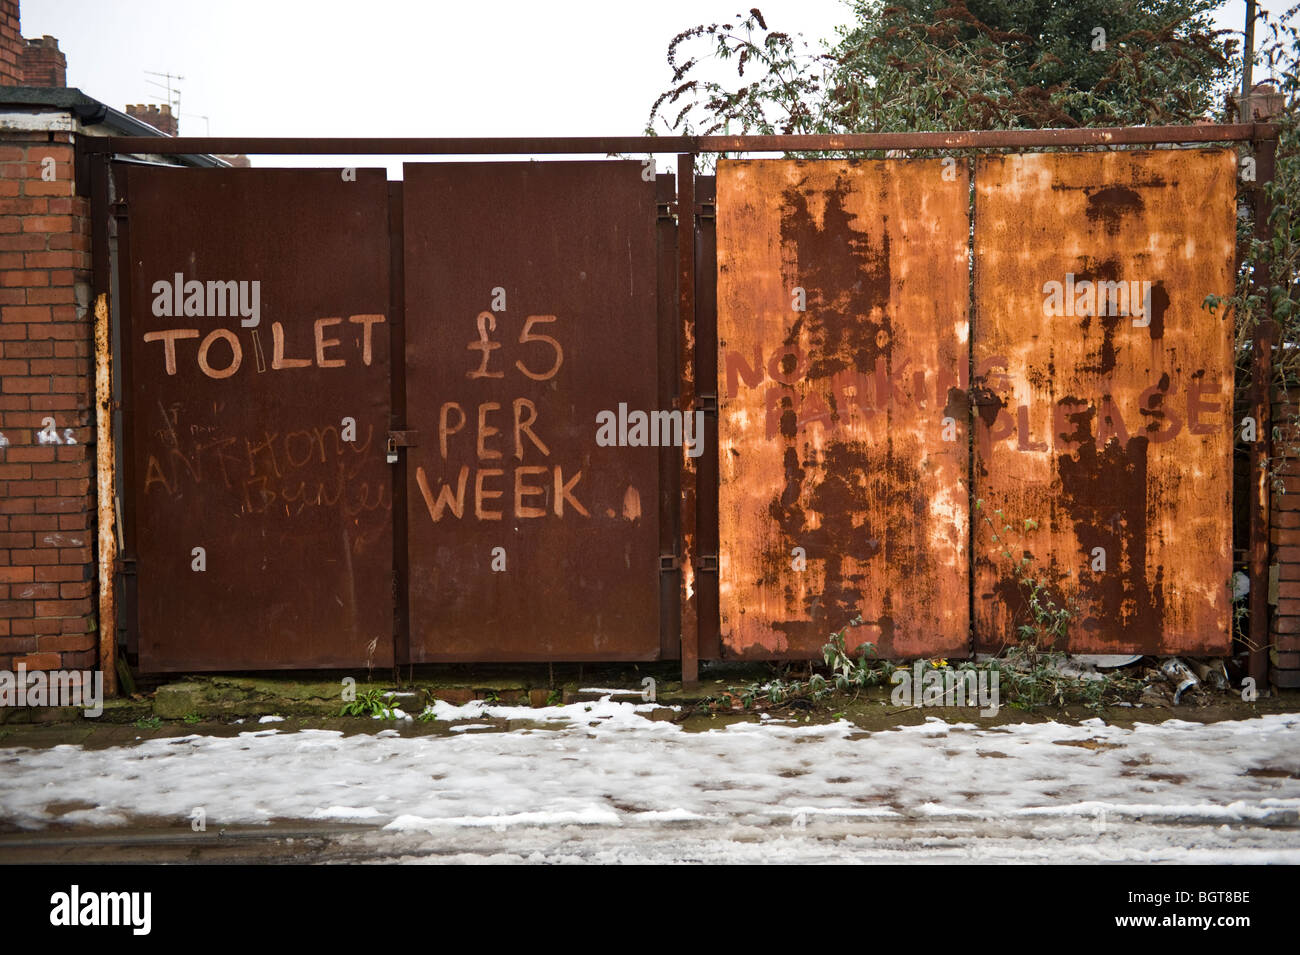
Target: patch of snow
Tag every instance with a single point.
(347, 812)
(626, 691)
(669, 815)
(747, 791)
(602, 709)
(588, 816)
(94, 817)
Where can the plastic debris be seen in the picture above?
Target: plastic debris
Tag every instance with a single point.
(1106, 661)
(1211, 673)
(1180, 676)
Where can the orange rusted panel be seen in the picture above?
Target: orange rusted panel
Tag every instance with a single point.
(842, 427)
(1103, 398)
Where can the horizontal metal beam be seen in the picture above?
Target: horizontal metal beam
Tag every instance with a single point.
(994, 138)
(606, 145)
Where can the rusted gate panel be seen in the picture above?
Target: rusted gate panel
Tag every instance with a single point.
(260, 496)
(531, 310)
(842, 428)
(1103, 412)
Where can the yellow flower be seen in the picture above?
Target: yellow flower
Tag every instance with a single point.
(938, 664)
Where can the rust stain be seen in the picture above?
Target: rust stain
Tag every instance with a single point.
(106, 495)
(1111, 205)
(840, 496)
(631, 504)
(1108, 421)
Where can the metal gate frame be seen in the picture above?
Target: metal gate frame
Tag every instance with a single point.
(696, 529)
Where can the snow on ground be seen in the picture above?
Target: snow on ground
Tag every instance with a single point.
(602, 783)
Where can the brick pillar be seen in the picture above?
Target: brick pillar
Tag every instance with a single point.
(11, 45)
(44, 64)
(1284, 534)
(47, 563)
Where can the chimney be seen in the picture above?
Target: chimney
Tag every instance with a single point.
(159, 117)
(11, 45)
(44, 64)
(1264, 104)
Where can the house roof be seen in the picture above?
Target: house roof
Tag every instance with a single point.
(89, 112)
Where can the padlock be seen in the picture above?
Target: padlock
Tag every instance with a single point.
(392, 450)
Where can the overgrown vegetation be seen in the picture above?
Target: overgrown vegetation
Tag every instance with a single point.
(1028, 677)
(846, 675)
(1268, 279)
(371, 703)
(910, 65)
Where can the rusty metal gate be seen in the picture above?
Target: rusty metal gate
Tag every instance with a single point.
(1104, 396)
(455, 418)
(259, 464)
(256, 346)
(842, 319)
(531, 303)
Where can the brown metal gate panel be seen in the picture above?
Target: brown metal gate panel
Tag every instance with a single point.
(842, 428)
(531, 309)
(1103, 394)
(257, 416)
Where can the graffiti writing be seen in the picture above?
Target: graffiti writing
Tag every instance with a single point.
(500, 433)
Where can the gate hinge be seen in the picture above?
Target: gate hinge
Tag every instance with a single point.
(124, 566)
(117, 207)
(706, 403)
(669, 563)
(706, 210)
(666, 210)
(404, 439)
(707, 563)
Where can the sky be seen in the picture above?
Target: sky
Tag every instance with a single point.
(400, 67)
(392, 67)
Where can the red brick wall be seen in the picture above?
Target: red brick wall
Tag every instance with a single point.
(11, 45)
(43, 64)
(1285, 538)
(159, 117)
(46, 489)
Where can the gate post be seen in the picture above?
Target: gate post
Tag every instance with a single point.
(1261, 449)
(105, 447)
(686, 315)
